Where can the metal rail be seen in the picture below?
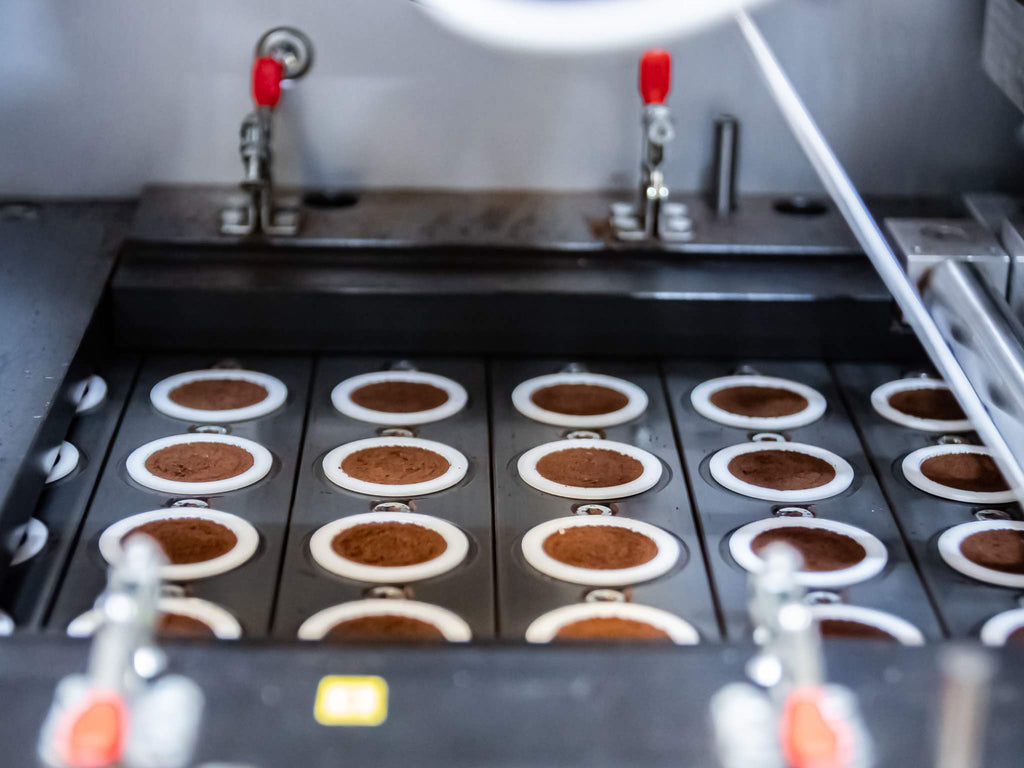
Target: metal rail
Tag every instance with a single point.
(955, 294)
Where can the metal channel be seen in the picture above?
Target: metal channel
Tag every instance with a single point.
(29, 587)
(896, 590)
(246, 591)
(965, 604)
(523, 593)
(467, 590)
(976, 400)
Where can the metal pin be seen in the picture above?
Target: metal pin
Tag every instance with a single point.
(723, 191)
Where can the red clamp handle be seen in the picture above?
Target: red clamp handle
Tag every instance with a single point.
(655, 76)
(267, 74)
(810, 736)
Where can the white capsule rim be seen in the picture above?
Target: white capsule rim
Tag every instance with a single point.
(635, 406)
(220, 621)
(544, 628)
(262, 461)
(451, 625)
(701, 395)
(341, 398)
(875, 554)
(246, 544)
(719, 469)
(61, 461)
(949, 550)
(880, 402)
(666, 558)
(649, 477)
(901, 629)
(456, 550)
(997, 630)
(458, 466)
(277, 395)
(912, 471)
(36, 535)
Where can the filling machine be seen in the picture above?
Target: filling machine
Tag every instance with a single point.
(666, 301)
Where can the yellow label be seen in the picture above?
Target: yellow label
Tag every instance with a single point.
(351, 700)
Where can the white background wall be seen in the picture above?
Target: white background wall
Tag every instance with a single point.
(99, 97)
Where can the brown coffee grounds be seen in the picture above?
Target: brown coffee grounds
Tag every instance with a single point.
(762, 402)
(610, 628)
(1016, 637)
(399, 396)
(601, 547)
(589, 467)
(384, 627)
(579, 399)
(188, 539)
(1001, 549)
(966, 471)
(821, 550)
(218, 394)
(394, 465)
(845, 628)
(179, 625)
(389, 544)
(927, 404)
(782, 470)
(199, 462)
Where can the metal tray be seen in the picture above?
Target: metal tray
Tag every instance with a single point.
(468, 590)
(896, 590)
(524, 593)
(247, 591)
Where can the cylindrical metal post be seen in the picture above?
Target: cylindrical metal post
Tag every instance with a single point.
(723, 182)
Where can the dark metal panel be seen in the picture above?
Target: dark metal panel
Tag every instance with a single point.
(523, 593)
(896, 590)
(54, 265)
(30, 587)
(566, 221)
(506, 707)
(965, 604)
(465, 298)
(248, 590)
(467, 590)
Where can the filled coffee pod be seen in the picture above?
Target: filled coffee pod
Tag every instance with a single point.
(589, 469)
(180, 617)
(834, 554)
(611, 622)
(395, 466)
(198, 543)
(840, 621)
(581, 400)
(199, 464)
(600, 551)
(1006, 628)
(966, 473)
(385, 621)
(218, 396)
(389, 547)
(927, 405)
(764, 403)
(991, 551)
(781, 471)
(399, 398)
